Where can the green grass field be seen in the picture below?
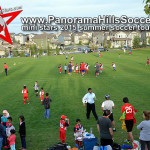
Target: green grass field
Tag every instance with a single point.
(131, 79)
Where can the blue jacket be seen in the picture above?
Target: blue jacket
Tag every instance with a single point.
(2, 133)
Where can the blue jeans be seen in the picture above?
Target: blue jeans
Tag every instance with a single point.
(1, 143)
(46, 115)
(114, 69)
(12, 147)
(23, 142)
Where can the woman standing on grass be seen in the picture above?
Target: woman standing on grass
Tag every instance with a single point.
(144, 126)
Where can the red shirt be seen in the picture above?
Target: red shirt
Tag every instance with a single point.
(42, 94)
(82, 66)
(128, 109)
(25, 92)
(11, 139)
(5, 66)
(63, 125)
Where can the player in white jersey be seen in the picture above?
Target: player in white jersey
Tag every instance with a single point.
(109, 105)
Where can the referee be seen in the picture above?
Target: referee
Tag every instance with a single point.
(90, 98)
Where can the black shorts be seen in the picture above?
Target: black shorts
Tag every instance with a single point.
(36, 91)
(105, 142)
(129, 125)
(111, 117)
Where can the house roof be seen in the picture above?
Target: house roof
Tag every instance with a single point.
(44, 36)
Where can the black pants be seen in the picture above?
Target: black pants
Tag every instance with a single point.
(105, 142)
(89, 108)
(65, 71)
(6, 72)
(144, 144)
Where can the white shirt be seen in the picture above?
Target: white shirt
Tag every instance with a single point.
(107, 105)
(77, 67)
(114, 65)
(65, 67)
(89, 97)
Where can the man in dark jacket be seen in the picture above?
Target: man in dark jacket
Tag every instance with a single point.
(46, 103)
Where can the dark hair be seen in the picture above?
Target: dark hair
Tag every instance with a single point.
(41, 88)
(24, 86)
(106, 112)
(12, 131)
(22, 118)
(78, 120)
(47, 94)
(89, 89)
(147, 115)
(125, 100)
(9, 118)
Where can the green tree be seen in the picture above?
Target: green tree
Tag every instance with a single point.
(147, 7)
(15, 52)
(136, 42)
(149, 40)
(6, 53)
(104, 44)
(40, 51)
(109, 44)
(144, 42)
(80, 42)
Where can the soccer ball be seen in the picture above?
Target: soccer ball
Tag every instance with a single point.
(85, 101)
(2, 24)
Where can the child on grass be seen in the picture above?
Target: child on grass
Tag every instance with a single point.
(22, 132)
(12, 139)
(78, 130)
(36, 87)
(63, 126)
(42, 95)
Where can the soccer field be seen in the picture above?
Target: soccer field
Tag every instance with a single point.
(131, 79)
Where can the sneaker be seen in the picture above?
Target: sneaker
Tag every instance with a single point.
(28, 102)
(5, 147)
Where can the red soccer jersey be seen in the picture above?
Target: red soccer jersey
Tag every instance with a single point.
(62, 125)
(5, 66)
(42, 94)
(128, 109)
(25, 92)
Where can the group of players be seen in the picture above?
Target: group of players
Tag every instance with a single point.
(80, 69)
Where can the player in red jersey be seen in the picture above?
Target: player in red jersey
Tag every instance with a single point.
(129, 112)
(60, 68)
(5, 68)
(63, 126)
(25, 94)
(147, 63)
(82, 68)
(42, 95)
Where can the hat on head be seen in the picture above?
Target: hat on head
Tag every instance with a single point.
(5, 111)
(63, 117)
